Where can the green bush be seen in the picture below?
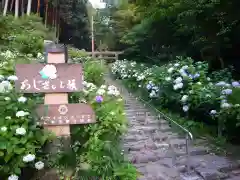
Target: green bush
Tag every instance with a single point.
(186, 87)
(21, 139)
(75, 53)
(94, 69)
(25, 34)
(97, 146)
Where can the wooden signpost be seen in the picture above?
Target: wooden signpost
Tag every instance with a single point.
(55, 79)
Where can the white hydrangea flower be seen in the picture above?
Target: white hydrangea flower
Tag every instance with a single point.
(8, 117)
(100, 91)
(39, 165)
(213, 112)
(29, 158)
(21, 131)
(178, 86)
(184, 98)
(225, 105)
(12, 78)
(21, 114)
(4, 129)
(39, 55)
(7, 98)
(170, 70)
(13, 177)
(178, 80)
(5, 86)
(168, 78)
(185, 108)
(22, 99)
(103, 87)
(152, 94)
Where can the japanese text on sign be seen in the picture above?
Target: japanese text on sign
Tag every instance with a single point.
(61, 120)
(66, 114)
(39, 85)
(49, 78)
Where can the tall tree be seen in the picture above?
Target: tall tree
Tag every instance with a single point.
(16, 8)
(5, 8)
(29, 5)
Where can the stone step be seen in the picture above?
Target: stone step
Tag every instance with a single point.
(140, 145)
(147, 128)
(209, 166)
(159, 136)
(163, 152)
(190, 176)
(165, 128)
(156, 171)
(193, 151)
(150, 145)
(142, 130)
(177, 143)
(134, 138)
(233, 178)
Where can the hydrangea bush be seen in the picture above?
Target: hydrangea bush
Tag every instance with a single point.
(97, 146)
(187, 87)
(21, 139)
(97, 150)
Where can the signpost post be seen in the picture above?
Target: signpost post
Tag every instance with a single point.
(56, 79)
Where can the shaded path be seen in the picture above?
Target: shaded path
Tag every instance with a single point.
(151, 144)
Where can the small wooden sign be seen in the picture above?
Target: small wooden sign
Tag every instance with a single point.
(49, 78)
(65, 114)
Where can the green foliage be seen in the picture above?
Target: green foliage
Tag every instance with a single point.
(201, 29)
(185, 87)
(93, 68)
(94, 72)
(97, 146)
(21, 138)
(75, 53)
(25, 34)
(75, 25)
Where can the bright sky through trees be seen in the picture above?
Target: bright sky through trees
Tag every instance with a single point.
(97, 4)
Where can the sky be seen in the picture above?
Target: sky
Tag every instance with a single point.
(97, 4)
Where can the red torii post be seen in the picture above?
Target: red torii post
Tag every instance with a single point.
(38, 7)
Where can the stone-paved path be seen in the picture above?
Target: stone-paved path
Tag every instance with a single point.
(150, 145)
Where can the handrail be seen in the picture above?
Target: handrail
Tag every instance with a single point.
(188, 133)
(168, 118)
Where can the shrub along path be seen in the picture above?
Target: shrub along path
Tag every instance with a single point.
(150, 145)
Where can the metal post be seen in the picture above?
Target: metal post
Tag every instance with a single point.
(92, 37)
(219, 128)
(187, 153)
(159, 120)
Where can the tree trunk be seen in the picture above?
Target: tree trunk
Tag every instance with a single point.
(46, 14)
(11, 7)
(38, 7)
(29, 7)
(22, 7)
(16, 8)
(5, 8)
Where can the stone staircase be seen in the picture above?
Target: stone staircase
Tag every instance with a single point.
(160, 154)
